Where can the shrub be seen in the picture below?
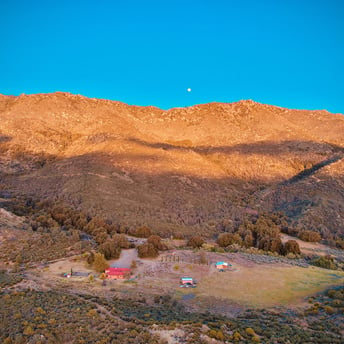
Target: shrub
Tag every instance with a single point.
(155, 240)
(248, 240)
(226, 239)
(110, 249)
(90, 258)
(291, 246)
(147, 250)
(310, 236)
(326, 262)
(28, 331)
(121, 240)
(195, 241)
(250, 331)
(100, 264)
(329, 310)
(143, 232)
(237, 336)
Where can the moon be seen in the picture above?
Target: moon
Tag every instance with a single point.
(189, 89)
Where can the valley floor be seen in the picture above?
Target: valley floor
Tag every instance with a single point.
(253, 289)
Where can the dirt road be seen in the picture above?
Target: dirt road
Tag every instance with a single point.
(124, 261)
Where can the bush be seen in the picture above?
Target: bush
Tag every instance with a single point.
(329, 310)
(310, 236)
(100, 264)
(195, 241)
(291, 246)
(155, 240)
(250, 331)
(326, 262)
(110, 249)
(143, 232)
(147, 250)
(121, 240)
(90, 258)
(227, 239)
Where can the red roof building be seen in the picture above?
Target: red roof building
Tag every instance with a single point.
(117, 273)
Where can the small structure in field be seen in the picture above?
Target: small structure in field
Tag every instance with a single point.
(117, 273)
(222, 266)
(187, 282)
(76, 274)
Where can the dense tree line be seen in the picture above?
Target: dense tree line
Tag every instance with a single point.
(262, 232)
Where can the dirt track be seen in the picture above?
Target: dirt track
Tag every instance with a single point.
(125, 260)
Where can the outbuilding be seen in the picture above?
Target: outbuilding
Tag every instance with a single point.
(222, 266)
(187, 282)
(117, 273)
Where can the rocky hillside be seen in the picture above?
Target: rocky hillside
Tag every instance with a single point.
(183, 169)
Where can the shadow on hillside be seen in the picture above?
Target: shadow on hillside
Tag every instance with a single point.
(310, 171)
(169, 199)
(4, 138)
(271, 148)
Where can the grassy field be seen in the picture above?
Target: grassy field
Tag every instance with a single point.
(268, 285)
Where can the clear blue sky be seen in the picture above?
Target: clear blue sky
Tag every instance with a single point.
(288, 53)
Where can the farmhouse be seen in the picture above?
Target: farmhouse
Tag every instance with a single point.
(117, 273)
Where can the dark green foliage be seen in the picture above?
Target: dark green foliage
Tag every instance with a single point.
(63, 318)
(326, 262)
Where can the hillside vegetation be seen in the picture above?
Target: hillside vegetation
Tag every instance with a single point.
(176, 171)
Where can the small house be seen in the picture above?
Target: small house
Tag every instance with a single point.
(222, 266)
(187, 282)
(117, 273)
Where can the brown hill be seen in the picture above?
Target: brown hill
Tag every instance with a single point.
(184, 169)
